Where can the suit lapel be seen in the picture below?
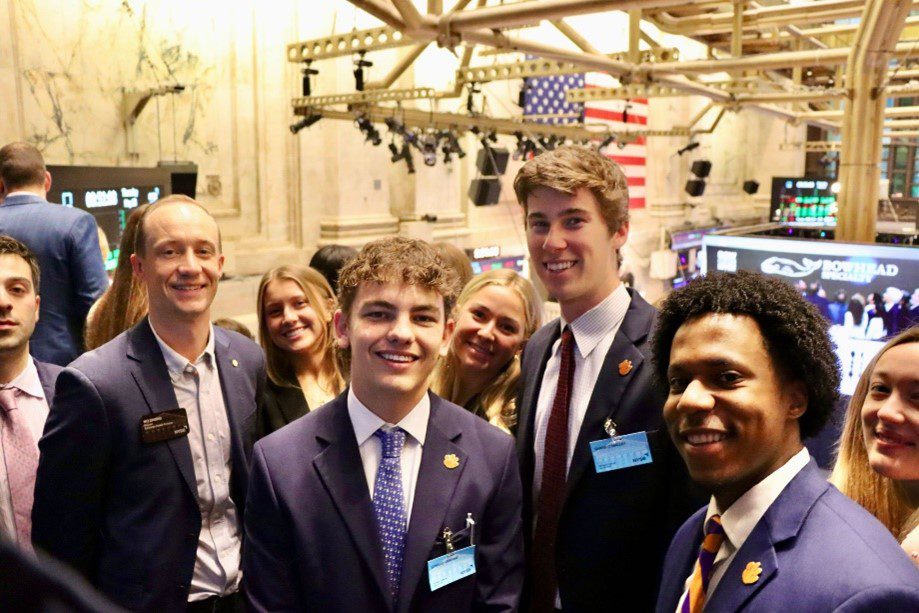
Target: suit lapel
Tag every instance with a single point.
(342, 472)
(433, 494)
(148, 369)
(541, 349)
(679, 565)
(47, 376)
(239, 403)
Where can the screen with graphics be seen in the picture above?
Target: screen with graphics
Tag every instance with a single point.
(868, 292)
(109, 194)
(803, 201)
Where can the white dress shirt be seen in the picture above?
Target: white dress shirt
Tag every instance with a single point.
(415, 424)
(30, 398)
(594, 332)
(197, 389)
(741, 518)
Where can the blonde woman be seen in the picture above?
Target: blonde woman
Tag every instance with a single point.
(878, 464)
(295, 306)
(496, 313)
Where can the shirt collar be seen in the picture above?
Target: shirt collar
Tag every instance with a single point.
(22, 193)
(176, 363)
(590, 328)
(365, 422)
(741, 517)
(27, 381)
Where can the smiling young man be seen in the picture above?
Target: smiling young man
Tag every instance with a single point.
(750, 371)
(26, 390)
(374, 501)
(592, 529)
(144, 461)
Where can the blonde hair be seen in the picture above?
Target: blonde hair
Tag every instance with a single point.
(124, 303)
(496, 401)
(882, 496)
(319, 294)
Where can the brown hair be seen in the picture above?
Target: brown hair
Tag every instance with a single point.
(21, 165)
(124, 303)
(140, 240)
(228, 323)
(398, 259)
(322, 300)
(11, 246)
(882, 496)
(495, 402)
(456, 259)
(569, 168)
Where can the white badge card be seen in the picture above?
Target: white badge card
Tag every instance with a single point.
(451, 567)
(621, 452)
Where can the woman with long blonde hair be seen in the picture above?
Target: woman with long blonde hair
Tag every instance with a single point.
(878, 463)
(295, 307)
(124, 303)
(496, 314)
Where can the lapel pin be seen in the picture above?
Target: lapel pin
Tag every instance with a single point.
(751, 573)
(234, 363)
(451, 461)
(625, 367)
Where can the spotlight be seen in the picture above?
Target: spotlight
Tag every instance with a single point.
(359, 64)
(308, 72)
(428, 146)
(688, 147)
(368, 130)
(304, 123)
(609, 140)
(402, 154)
(521, 146)
(450, 146)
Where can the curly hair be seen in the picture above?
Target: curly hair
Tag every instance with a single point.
(795, 334)
(401, 260)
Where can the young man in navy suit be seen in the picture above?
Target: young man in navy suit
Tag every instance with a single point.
(65, 241)
(592, 529)
(751, 371)
(388, 498)
(144, 461)
(26, 390)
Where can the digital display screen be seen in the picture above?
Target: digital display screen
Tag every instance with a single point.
(517, 263)
(859, 288)
(803, 201)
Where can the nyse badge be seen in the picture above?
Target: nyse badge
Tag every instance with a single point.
(751, 573)
(451, 461)
(625, 367)
(234, 363)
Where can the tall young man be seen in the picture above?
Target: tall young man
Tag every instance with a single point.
(26, 390)
(751, 371)
(144, 461)
(388, 498)
(592, 530)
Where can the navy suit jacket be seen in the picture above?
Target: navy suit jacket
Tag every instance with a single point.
(47, 375)
(614, 526)
(66, 243)
(124, 513)
(819, 552)
(311, 537)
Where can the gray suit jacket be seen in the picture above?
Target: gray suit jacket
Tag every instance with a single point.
(122, 512)
(66, 243)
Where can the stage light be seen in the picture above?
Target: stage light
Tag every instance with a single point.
(609, 140)
(688, 147)
(308, 72)
(359, 64)
(368, 130)
(304, 123)
(428, 145)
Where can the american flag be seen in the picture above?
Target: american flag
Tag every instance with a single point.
(546, 96)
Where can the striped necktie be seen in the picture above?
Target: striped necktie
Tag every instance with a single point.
(698, 584)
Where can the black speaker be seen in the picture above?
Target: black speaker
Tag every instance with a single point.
(695, 187)
(484, 163)
(183, 177)
(484, 192)
(751, 187)
(701, 168)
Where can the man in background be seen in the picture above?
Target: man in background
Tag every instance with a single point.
(66, 243)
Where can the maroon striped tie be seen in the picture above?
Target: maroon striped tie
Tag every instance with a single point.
(552, 490)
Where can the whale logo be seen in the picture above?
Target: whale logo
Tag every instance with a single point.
(789, 268)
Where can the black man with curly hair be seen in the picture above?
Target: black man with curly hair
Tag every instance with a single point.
(750, 371)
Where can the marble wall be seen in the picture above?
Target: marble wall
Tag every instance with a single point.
(66, 65)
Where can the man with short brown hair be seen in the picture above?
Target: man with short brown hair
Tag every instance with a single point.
(66, 243)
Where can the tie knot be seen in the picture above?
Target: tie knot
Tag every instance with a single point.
(8, 399)
(713, 526)
(392, 441)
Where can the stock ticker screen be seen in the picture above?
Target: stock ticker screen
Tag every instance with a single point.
(803, 201)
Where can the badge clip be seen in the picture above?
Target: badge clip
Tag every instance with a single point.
(470, 523)
(609, 426)
(448, 539)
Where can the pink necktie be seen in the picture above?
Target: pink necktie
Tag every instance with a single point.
(21, 457)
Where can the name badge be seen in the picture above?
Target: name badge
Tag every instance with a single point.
(621, 452)
(451, 567)
(164, 426)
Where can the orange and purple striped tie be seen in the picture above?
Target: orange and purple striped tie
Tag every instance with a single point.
(698, 584)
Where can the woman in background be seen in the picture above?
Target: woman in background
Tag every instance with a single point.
(295, 306)
(496, 313)
(878, 463)
(124, 303)
(855, 320)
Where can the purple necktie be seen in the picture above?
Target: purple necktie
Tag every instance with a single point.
(21, 457)
(389, 505)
